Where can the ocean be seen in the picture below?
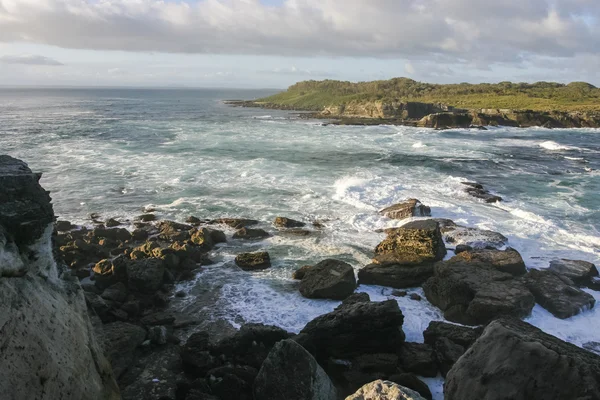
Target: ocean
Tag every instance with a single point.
(184, 152)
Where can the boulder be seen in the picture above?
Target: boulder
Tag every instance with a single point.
(283, 222)
(146, 218)
(508, 260)
(558, 294)
(329, 279)
(476, 238)
(63, 226)
(478, 191)
(116, 293)
(253, 261)
(384, 390)
(418, 358)
(411, 381)
(145, 275)
(195, 354)
(300, 272)
(236, 223)
(290, 372)
(354, 328)
(247, 233)
(580, 272)
(447, 353)
(395, 275)
(461, 335)
(120, 341)
(111, 223)
(514, 360)
(415, 243)
(474, 293)
(406, 209)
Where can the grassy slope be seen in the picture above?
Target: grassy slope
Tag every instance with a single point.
(541, 96)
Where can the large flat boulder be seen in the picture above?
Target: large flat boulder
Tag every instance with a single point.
(406, 209)
(558, 294)
(253, 261)
(415, 243)
(329, 279)
(508, 260)
(580, 272)
(514, 360)
(395, 275)
(290, 372)
(475, 293)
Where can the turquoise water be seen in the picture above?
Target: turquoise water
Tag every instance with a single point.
(113, 151)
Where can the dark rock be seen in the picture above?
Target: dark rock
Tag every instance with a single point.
(462, 248)
(412, 382)
(474, 237)
(111, 223)
(384, 390)
(158, 318)
(356, 298)
(580, 272)
(354, 329)
(246, 373)
(236, 223)
(231, 387)
(461, 335)
(63, 226)
(251, 344)
(193, 220)
(447, 353)
(478, 191)
(594, 347)
(139, 234)
(120, 341)
(157, 335)
(329, 279)
(299, 273)
(96, 303)
(418, 358)
(217, 236)
(558, 294)
(514, 360)
(399, 293)
(195, 353)
(508, 260)
(415, 296)
(119, 234)
(406, 209)
(415, 243)
(395, 275)
(253, 261)
(116, 292)
(132, 308)
(283, 222)
(247, 233)
(146, 218)
(474, 293)
(290, 372)
(145, 276)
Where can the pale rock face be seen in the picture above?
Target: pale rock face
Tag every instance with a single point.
(47, 346)
(384, 390)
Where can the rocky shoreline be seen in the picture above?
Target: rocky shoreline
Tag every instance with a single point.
(436, 116)
(122, 277)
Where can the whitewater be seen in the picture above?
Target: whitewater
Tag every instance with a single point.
(184, 152)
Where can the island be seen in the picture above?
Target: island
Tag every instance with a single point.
(404, 101)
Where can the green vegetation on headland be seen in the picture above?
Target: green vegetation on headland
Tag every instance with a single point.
(407, 102)
(540, 96)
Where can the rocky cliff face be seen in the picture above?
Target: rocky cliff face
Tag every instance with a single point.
(378, 109)
(47, 346)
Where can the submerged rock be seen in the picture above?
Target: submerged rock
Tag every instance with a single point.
(247, 233)
(514, 360)
(236, 223)
(477, 190)
(290, 372)
(253, 261)
(558, 294)
(475, 238)
(384, 390)
(283, 222)
(415, 243)
(329, 279)
(406, 209)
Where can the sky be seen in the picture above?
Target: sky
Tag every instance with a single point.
(275, 43)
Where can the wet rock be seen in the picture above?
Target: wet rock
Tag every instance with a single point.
(146, 218)
(195, 353)
(116, 293)
(356, 298)
(299, 273)
(473, 237)
(157, 335)
(447, 353)
(97, 303)
(329, 279)
(594, 347)
(415, 243)
(508, 260)
(514, 360)
(411, 381)
(415, 297)
(247, 233)
(283, 222)
(462, 248)
(406, 209)
(290, 372)
(63, 226)
(253, 261)
(296, 232)
(384, 390)
(217, 236)
(353, 329)
(477, 190)
(158, 318)
(400, 293)
(580, 272)
(461, 335)
(146, 275)
(474, 293)
(120, 341)
(236, 223)
(119, 234)
(251, 344)
(139, 234)
(231, 387)
(111, 223)
(193, 220)
(395, 275)
(418, 358)
(558, 294)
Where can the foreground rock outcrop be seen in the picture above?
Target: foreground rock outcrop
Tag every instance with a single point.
(48, 349)
(514, 360)
(384, 390)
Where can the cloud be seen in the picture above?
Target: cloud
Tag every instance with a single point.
(463, 31)
(29, 60)
(294, 71)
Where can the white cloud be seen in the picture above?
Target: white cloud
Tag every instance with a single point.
(29, 59)
(461, 30)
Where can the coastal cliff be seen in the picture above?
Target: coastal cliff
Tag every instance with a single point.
(47, 346)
